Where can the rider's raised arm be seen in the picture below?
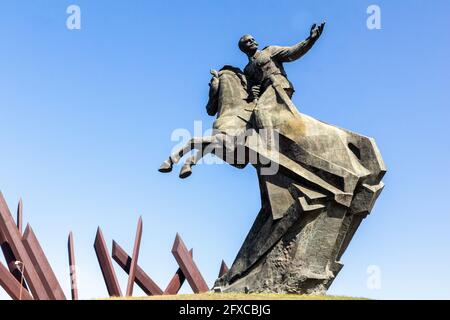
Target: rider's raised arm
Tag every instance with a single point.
(288, 54)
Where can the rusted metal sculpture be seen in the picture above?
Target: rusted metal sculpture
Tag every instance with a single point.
(142, 279)
(72, 268)
(12, 235)
(7, 252)
(106, 266)
(134, 259)
(12, 287)
(43, 268)
(188, 266)
(177, 280)
(27, 262)
(20, 216)
(11, 260)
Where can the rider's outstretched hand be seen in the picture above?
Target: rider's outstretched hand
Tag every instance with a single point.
(316, 31)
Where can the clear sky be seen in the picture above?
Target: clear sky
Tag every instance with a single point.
(87, 117)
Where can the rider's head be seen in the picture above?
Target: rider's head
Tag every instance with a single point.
(248, 45)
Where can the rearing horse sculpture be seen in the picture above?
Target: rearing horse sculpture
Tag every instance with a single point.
(228, 99)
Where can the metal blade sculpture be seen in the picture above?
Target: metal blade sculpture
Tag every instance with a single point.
(188, 266)
(42, 265)
(11, 260)
(12, 286)
(106, 266)
(134, 259)
(12, 235)
(9, 256)
(142, 279)
(177, 280)
(72, 268)
(32, 265)
(20, 215)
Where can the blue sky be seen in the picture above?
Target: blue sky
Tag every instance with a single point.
(87, 116)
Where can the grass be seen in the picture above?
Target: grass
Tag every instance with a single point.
(239, 296)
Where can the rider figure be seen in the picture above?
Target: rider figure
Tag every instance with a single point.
(266, 66)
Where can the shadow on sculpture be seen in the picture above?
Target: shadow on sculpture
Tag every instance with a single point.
(317, 181)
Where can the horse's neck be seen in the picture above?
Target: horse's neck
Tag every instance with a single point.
(232, 94)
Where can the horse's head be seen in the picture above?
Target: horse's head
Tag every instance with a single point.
(226, 86)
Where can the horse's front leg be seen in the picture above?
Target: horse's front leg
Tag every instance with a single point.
(186, 169)
(194, 143)
(208, 146)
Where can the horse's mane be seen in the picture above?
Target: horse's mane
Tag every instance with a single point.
(231, 68)
(236, 71)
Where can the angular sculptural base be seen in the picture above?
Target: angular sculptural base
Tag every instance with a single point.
(299, 261)
(299, 253)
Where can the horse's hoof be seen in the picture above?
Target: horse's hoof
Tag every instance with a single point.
(185, 172)
(166, 166)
